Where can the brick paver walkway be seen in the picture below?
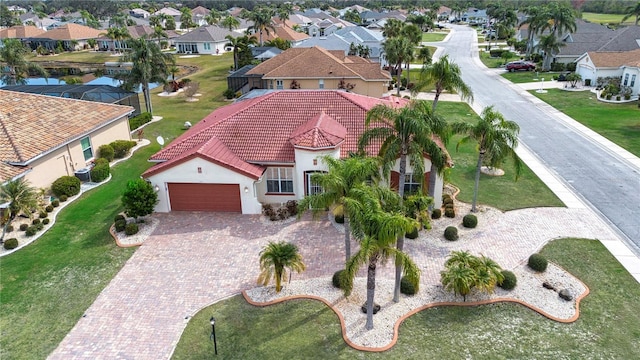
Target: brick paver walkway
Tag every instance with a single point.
(195, 259)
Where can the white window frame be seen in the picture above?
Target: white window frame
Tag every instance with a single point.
(321, 84)
(280, 180)
(279, 84)
(626, 79)
(411, 186)
(633, 80)
(84, 149)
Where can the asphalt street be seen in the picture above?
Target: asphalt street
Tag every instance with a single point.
(604, 180)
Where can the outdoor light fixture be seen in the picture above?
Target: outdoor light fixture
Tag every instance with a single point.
(213, 334)
(246, 189)
(156, 188)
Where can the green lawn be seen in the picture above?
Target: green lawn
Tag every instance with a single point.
(608, 327)
(606, 18)
(433, 36)
(490, 62)
(619, 123)
(519, 77)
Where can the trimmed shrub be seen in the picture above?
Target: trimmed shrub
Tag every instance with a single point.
(335, 280)
(445, 196)
(268, 210)
(39, 226)
(509, 280)
(449, 212)
(49, 208)
(229, 94)
(557, 66)
(283, 213)
(100, 171)
(451, 233)
(63, 198)
(436, 214)
(31, 230)
(292, 207)
(106, 152)
(571, 66)
(45, 221)
(9, 228)
(10, 244)
(496, 53)
(121, 148)
(413, 234)
(55, 203)
(469, 221)
(67, 186)
(118, 217)
(43, 214)
(139, 120)
(131, 229)
(537, 262)
(447, 201)
(120, 225)
(406, 287)
(35, 222)
(23, 227)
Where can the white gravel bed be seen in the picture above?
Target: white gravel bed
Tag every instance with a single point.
(528, 290)
(144, 230)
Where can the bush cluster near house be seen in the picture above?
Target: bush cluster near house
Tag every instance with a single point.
(139, 120)
(289, 209)
(100, 170)
(66, 186)
(139, 198)
(121, 148)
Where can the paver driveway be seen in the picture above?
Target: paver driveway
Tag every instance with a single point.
(195, 259)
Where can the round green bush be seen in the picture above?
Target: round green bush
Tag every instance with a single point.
(11, 243)
(537, 262)
(451, 233)
(23, 227)
(31, 230)
(131, 229)
(121, 147)
(49, 208)
(447, 201)
(469, 221)
(339, 219)
(449, 212)
(35, 222)
(39, 226)
(55, 203)
(9, 228)
(100, 171)
(118, 217)
(120, 225)
(406, 287)
(413, 234)
(63, 198)
(45, 221)
(106, 152)
(335, 280)
(510, 281)
(43, 214)
(436, 214)
(66, 185)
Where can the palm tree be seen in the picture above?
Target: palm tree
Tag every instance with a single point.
(488, 274)
(239, 44)
(20, 197)
(284, 10)
(414, 34)
(424, 54)
(352, 16)
(150, 65)
(275, 258)
(397, 50)
(155, 21)
(186, 18)
(632, 10)
(458, 278)
(118, 34)
(261, 18)
(230, 23)
(537, 19)
(563, 18)
(118, 20)
(550, 46)
(337, 184)
(405, 134)
(464, 272)
(381, 229)
(392, 28)
(497, 139)
(444, 75)
(158, 32)
(213, 17)
(14, 67)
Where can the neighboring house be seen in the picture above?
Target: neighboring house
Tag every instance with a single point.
(264, 150)
(318, 68)
(135, 32)
(239, 80)
(22, 33)
(284, 32)
(198, 15)
(139, 13)
(475, 16)
(205, 40)
(622, 64)
(263, 53)
(71, 36)
(45, 137)
(176, 14)
(343, 38)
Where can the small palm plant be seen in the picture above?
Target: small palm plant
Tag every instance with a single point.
(464, 271)
(275, 258)
(21, 197)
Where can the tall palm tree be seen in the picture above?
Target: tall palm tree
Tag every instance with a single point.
(275, 258)
(186, 18)
(118, 34)
(397, 50)
(239, 44)
(158, 33)
(537, 19)
(632, 10)
(21, 198)
(342, 177)
(155, 21)
(213, 17)
(150, 65)
(424, 54)
(414, 34)
(262, 21)
(392, 28)
(284, 11)
(550, 46)
(381, 229)
(405, 134)
(230, 23)
(563, 18)
(497, 139)
(14, 67)
(444, 75)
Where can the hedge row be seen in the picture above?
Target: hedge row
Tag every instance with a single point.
(137, 121)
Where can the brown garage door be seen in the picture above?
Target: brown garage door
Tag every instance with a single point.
(205, 197)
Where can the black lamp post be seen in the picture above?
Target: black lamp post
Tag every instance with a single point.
(213, 334)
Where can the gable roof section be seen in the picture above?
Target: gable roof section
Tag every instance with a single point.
(20, 32)
(207, 33)
(71, 31)
(615, 59)
(259, 130)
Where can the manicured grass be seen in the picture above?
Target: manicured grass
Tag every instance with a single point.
(608, 327)
(47, 285)
(619, 123)
(433, 36)
(490, 62)
(606, 18)
(502, 192)
(519, 77)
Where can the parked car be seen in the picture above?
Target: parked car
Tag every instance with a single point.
(521, 65)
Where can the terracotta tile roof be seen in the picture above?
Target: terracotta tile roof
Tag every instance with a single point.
(284, 32)
(31, 125)
(295, 63)
(259, 130)
(72, 31)
(321, 131)
(20, 32)
(615, 59)
(8, 172)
